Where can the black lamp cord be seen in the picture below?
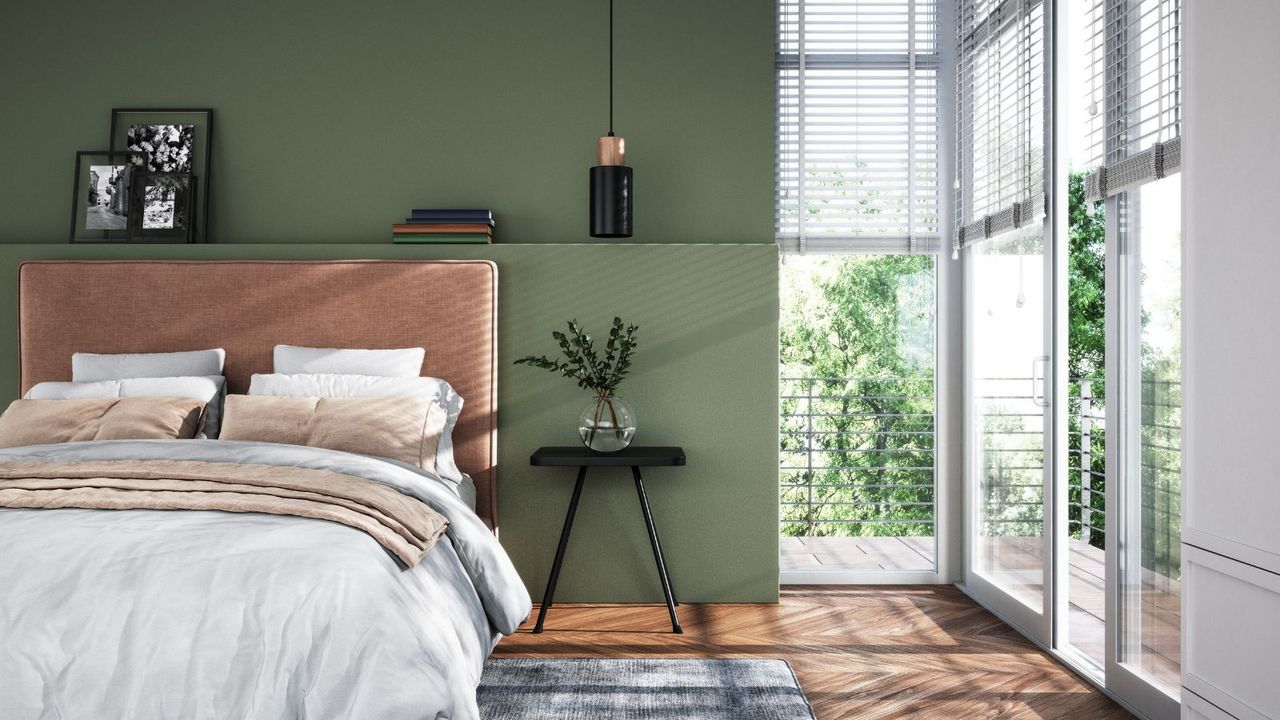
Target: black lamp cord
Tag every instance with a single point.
(610, 68)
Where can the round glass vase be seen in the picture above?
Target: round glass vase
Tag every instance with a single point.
(607, 424)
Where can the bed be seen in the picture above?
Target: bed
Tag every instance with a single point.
(144, 613)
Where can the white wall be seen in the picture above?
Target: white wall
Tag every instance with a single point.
(1232, 268)
(1231, 496)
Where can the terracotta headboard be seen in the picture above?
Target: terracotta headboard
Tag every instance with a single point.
(247, 307)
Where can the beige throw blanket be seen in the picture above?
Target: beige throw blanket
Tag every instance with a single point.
(404, 525)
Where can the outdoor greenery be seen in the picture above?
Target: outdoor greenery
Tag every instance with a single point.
(1086, 328)
(1086, 353)
(1160, 393)
(857, 353)
(857, 368)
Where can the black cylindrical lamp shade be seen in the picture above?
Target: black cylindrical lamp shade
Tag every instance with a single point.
(611, 196)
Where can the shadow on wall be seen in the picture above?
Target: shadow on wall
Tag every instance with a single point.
(692, 310)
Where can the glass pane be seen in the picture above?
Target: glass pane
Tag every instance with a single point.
(1007, 315)
(1151, 243)
(1086, 478)
(1086, 428)
(857, 403)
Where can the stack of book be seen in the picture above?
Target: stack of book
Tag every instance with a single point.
(445, 226)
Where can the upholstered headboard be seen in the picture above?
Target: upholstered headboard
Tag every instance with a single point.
(247, 307)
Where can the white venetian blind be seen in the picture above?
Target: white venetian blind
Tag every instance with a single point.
(857, 145)
(1135, 85)
(1000, 124)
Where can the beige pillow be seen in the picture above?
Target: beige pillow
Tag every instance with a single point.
(39, 422)
(402, 428)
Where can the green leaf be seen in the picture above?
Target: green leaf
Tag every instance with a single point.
(582, 361)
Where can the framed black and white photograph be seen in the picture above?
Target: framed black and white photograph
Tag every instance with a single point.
(161, 206)
(175, 142)
(102, 195)
(168, 147)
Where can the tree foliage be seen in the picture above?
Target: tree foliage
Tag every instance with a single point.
(857, 354)
(1086, 289)
(1086, 362)
(857, 430)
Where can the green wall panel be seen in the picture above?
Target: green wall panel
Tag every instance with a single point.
(705, 378)
(333, 117)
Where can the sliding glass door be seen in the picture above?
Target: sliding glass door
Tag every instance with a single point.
(1145, 402)
(1008, 350)
(1072, 330)
(1002, 231)
(1137, 150)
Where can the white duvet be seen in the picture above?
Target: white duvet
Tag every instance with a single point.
(202, 614)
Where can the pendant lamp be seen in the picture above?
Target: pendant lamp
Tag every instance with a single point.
(611, 182)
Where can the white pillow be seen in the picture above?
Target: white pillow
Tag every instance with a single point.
(91, 367)
(210, 390)
(73, 390)
(335, 385)
(398, 363)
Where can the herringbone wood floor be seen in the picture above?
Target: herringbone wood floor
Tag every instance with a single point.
(860, 652)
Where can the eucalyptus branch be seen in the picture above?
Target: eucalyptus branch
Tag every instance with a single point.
(584, 364)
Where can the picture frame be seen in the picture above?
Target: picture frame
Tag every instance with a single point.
(161, 207)
(100, 193)
(175, 141)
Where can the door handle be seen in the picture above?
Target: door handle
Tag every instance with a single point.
(1038, 395)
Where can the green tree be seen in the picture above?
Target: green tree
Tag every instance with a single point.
(1086, 356)
(1086, 289)
(857, 360)
(857, 435)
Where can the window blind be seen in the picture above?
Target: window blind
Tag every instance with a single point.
(1000, 126)
(1135, 86)
(857, 145)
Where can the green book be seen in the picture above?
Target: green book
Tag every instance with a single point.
(442, 238)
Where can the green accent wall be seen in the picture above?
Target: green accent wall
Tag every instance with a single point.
(705, 378)
(334, 118)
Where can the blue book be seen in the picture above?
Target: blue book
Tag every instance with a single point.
(449, 221)
(480, 215)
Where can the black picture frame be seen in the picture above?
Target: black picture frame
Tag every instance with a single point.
(92, 220)
(182, 188)
(201, 159)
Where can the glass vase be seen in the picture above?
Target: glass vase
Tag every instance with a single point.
(607, 424)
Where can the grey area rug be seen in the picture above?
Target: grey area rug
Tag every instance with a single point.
(640, 689)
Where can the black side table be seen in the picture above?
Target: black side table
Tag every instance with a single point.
(583, 458)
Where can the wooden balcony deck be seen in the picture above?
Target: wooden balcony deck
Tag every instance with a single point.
(857, 553)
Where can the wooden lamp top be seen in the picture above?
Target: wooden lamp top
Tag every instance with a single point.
(611, 150)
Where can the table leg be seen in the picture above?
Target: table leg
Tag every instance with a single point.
(564, 543)
(657, 551)
(656, 541)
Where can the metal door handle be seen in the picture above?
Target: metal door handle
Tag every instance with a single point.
(1038, 381)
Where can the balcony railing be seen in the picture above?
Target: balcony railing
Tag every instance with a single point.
(857, 458)
(1159, 465)
(1086, 461)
